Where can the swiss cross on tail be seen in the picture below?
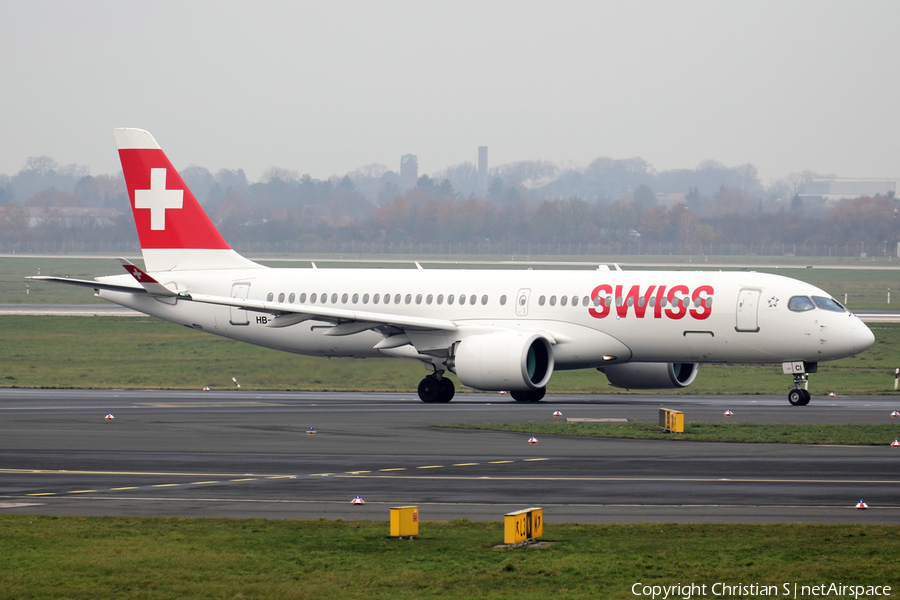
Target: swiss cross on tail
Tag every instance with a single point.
(166, 213)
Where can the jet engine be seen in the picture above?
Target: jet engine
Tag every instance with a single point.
(505, 360)
(651, 376)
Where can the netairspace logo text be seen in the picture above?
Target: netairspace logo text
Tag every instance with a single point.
(752, 590)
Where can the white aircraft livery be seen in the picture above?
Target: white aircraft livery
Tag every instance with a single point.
(505, 330)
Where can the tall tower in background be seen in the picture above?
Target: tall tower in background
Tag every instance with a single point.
(482, 169)
(409, 171)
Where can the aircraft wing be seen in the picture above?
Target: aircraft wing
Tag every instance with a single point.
(89, 283)
(347, 321)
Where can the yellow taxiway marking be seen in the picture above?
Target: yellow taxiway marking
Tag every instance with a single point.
(65, 472)
(43, 494)
(279, 476)
(432, 467)
(82, 491)
(357, 472)
(246, 479)
(395, 469)
(500, 462)
(202, 482)
(534, 459)
(133, 487)
(466, 464)
(321, 474)
(165, 485)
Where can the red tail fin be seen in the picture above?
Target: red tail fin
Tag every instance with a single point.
(174, 231)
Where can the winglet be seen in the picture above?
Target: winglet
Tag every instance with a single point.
(152, 286)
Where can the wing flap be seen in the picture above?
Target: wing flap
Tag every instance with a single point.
(335, 315)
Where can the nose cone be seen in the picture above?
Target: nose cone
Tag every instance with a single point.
(861, 337)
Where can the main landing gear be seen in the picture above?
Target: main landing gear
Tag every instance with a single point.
(436, 388)
(529, 396)
(799, 394)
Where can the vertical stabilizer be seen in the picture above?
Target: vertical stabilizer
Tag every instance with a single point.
(175, 232)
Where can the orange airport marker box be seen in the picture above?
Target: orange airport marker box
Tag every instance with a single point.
(404, 521)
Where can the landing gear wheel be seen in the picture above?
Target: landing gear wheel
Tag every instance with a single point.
(529, 396)
(798, 397)
(430, 389)
(447, 390)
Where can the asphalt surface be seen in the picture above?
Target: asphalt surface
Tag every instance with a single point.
(248, 454)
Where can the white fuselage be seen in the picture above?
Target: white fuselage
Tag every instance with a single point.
(653, 316)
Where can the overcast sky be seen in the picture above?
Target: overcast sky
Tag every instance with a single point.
(325, 87)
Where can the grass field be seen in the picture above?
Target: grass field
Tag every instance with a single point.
(124, 352)
(865, 289)
(761, 433)
(150, 558)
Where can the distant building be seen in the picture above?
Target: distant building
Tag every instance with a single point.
(482, 169)
(833, 190)
(409, 171)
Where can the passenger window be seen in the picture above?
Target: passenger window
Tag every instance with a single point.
(462, 299)
(312, 298)
(541, 300)
(408, 298)
(574, 300)
(800, 304)
(630, 301)
(396, 298)
(387, 298)
(652, 301)
(598, 301)
(586, 300)
(355, 298)
(828, 304)
(323, 298)
(418, 298)
(473, 299)
(450, 299)
(440, 299)
(270, 297)
(503, 300)
(563, 301)
(552, 300)
(484, 300)
(429, 299)
(281, 297)
(302, 298)
(344, 298)
(334, 298)
(291, 299)
(365, 298)
(376, 298)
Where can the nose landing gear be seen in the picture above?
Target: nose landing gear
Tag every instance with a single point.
(799, 394)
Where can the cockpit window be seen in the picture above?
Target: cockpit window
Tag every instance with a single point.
(828, 304)
(800, 304)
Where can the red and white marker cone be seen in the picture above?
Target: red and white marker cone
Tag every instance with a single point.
(831, 394)
(310, 431)
(861, 505)
(109, 417)
(728, 413)
(895, 444)
(357, 500)
(556, 413)
(532, 440)
(895, 415)
(205, 388)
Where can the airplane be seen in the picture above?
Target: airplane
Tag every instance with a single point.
(496, 330)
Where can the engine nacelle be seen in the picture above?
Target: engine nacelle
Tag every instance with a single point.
(506, 360)
(651, 376)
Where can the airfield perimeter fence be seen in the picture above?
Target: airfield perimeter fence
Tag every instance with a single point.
(504, 250)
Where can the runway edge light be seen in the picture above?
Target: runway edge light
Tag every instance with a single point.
(861, 505)
(357, 501)
(895, 444)
(109, 417)
(557, 413)
(532, 440)
(728, 413)
(895, 415)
